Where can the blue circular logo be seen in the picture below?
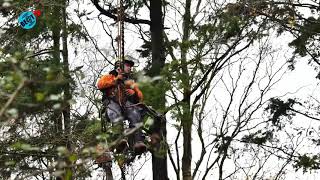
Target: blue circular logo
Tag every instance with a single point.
(27, 20)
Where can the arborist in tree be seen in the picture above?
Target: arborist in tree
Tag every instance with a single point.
(121, 97)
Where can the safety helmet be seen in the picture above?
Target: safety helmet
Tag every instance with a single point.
(126, 61)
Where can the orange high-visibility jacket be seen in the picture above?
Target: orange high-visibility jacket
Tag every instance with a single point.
(107, 83)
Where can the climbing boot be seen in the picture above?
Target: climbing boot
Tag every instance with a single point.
(139, 147)
(121, 146)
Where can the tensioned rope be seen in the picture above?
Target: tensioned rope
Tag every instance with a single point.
(120, 19)
(120, 38)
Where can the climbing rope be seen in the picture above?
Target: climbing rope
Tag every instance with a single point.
(120, 19)
(120, 38)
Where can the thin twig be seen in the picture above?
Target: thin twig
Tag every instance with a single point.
(12, 97)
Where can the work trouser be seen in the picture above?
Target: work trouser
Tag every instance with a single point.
(131, 112)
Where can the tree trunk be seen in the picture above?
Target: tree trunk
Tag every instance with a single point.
(56, 35)
(187, 148)
(157, 42)
(66, 88)
(66, 71)
(159, 164)
(56, 57)
(186, 116)
(108, 170)
(62, 122)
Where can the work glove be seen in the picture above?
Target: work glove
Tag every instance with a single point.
(130, 92)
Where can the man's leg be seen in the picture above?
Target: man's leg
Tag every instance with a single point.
(134, 116)
(114, 113)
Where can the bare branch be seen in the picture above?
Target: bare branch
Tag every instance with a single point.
(114, 17)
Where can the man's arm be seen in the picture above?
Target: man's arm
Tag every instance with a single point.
(106, 81)
(134, 86)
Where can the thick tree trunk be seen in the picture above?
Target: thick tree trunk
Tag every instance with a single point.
(56, 36)
(66, 73)
(187, 118)
(59, 31)
(67, 88)
(187, 148)
(157, 42)
(159, 165)
(56, 57)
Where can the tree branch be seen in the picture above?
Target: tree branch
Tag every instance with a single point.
(13, 96)
(305, 114)
(114, 17)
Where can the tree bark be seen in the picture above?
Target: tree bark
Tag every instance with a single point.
(59, 31)
(186, 116)
(67, 88)
(56, 35)
(157, 38)
(56, 28)
(66, 71)
(159, 164)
